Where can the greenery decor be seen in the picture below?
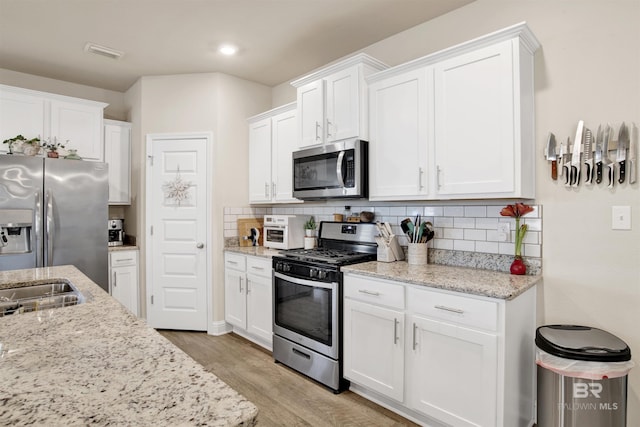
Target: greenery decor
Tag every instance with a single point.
(310, 224)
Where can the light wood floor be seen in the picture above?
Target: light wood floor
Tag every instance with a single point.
(284, 397)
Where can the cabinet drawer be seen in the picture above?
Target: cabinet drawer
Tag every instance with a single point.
(235, 261)
(259, 266)
(374, 291)
(123, 258)
(453, 308)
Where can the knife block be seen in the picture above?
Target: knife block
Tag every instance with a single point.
(391, 252)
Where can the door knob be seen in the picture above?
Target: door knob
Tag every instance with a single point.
(200, 245)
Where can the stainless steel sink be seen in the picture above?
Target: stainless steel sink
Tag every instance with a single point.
(40, 296)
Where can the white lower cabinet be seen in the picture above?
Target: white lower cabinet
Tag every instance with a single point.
(123, 278)
(441, 358)
(248, 297)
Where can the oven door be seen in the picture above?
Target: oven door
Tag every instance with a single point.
(275, 237)
(306, 312)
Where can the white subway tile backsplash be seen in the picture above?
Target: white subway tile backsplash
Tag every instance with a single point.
(475, 211)
(458, 227)
(454, 211)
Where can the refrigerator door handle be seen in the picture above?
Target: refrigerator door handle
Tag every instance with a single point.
(37, 220)
(49, 229)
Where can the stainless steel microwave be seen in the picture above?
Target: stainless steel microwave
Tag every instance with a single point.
(337, 170)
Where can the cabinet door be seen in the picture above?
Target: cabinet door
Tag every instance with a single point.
(260, 307)
(398, 125)
(311, 114)
(235, 298)
(20, 114)
(454, 372)
(260, 184)
(79, 124)
(373, 348)
(117, 153)
(284, 142)
(343, 105)
(475, 124)
(124, 287)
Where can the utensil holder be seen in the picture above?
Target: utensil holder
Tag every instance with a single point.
(417, 254)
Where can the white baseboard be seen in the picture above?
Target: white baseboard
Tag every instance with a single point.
(219, 328)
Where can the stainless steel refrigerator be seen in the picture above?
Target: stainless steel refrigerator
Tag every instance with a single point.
(54, 212)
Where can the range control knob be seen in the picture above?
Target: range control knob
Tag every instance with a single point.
(313, 272)
(286, 267)
(322, 274)
(278, 266)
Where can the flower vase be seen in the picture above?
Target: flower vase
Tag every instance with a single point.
(518, 267)
(309, 233)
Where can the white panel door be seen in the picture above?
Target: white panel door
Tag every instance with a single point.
(177, 210)
(311, 114)
(343, 105)
(454, 373)
(79, 124)
(474, 122)
(20, 114)
(374, 348)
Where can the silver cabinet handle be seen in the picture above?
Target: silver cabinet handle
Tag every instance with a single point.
(364, 291)
(248, 287)
(451, 309)
(420, 173)
(200, 245)
(317, 127)
(232, 262)
(438, 170)
(273, 189)
(240, 284)
(115, 275)
(395, 330)
(123, 260)
(266, 189)
(414, 336)
(328, 128)
(257, 268)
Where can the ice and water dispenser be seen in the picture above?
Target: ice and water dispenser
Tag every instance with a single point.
(16, 226)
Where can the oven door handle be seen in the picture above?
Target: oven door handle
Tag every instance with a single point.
(305, 282)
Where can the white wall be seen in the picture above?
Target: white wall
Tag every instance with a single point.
(116, 109)
(210, 102)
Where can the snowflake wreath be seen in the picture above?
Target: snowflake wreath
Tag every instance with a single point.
(178, 189)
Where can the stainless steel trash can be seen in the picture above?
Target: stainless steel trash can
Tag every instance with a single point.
(582, 377)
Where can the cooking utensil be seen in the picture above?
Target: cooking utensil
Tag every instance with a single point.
(598, 155)
(633, 152)
(588, 156)
(575, 155)
(605, 152)
(621, 154)
(550, 153)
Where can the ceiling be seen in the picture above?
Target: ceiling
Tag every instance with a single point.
(278, 39)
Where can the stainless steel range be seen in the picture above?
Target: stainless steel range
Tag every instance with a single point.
(307, 312)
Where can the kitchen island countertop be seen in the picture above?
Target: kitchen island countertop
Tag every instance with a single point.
(458, 279)
(96, 363)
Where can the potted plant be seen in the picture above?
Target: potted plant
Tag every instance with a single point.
(52, 148)
(516, 211)
(20, 144)
(310, 227)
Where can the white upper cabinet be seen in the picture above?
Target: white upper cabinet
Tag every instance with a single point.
(273, 136)
(117, 153)
(471, 123)
(54, 117)
(332, 102)
(399, 131)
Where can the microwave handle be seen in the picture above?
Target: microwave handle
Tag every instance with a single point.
(339, 168)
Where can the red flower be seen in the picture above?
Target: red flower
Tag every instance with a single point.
(516, 211)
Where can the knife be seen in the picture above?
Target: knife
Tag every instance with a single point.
(551, 156)
(633, 152)
(565, 162)
(598, 157)
(605, 153)
(561, 164)
(621, 155)
(588, 155)
(575, 155)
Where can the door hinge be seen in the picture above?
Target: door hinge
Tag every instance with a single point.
(150, 157)
(151, 299)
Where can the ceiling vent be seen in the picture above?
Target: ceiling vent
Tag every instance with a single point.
(102, 50)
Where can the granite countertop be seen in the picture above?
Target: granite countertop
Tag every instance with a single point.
(260, 251)
(96, 363)
(459, 279)
(123, 248)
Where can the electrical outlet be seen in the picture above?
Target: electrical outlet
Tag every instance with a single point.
(621, 217)
(504, 232)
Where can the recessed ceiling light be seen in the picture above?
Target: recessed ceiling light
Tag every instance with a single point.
(103, 50)
(228, 49)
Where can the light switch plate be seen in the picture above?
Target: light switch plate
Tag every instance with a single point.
(621, 217)
(504, 231)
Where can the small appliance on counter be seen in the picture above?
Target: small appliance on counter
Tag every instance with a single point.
(284, 231)
(116, 232)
